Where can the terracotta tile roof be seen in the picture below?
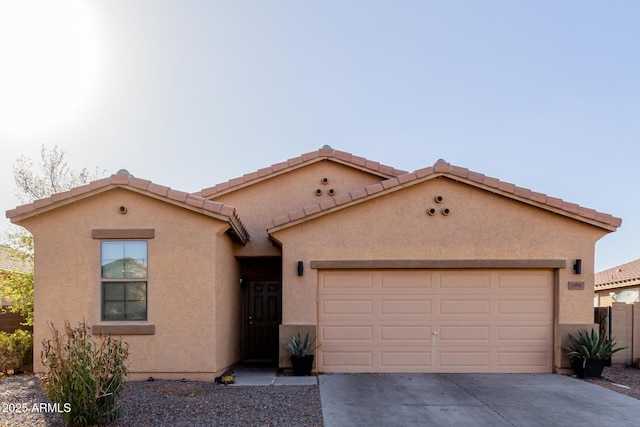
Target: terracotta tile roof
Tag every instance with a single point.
(325, 153)
(457, 173)
(623, 275)
(189, 201)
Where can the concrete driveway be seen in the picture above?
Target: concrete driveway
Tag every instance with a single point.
(471, 400)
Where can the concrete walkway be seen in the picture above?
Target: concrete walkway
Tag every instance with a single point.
(247, 375)
(471, 400)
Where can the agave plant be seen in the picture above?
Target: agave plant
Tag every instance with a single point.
(299, 347)
(591, 345)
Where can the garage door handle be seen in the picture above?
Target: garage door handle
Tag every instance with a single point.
(435, 333)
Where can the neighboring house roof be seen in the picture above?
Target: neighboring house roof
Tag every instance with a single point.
(325, 153)
(9, 263)
(443, 169)
(124, 180)
(621, 276)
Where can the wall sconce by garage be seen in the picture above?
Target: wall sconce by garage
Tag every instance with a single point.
(577, 266)
(300, 268)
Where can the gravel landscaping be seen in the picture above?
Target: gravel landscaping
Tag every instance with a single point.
(623, 379)
(175, 403)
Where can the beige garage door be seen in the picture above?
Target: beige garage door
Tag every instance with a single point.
(435, 321)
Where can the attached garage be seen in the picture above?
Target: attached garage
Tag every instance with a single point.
(443, 270)
(435, 320)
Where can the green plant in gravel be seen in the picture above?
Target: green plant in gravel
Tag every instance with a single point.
(15, 351)
(591, 345)
(85, 373)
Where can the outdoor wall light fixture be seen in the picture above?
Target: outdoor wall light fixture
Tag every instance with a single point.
(300, 268)
(577, 267)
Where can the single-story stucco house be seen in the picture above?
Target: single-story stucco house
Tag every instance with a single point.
(438, 270)
(618, 284)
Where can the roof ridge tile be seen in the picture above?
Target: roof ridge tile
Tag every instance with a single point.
(118, 178)
(142, 184)
(441, 167)
(391, 182)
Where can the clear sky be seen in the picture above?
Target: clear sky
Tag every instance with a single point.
(543, 94)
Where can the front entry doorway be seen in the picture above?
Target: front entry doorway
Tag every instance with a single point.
(262, 308)
(264, 315)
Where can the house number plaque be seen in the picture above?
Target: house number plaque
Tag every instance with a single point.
(576, 286)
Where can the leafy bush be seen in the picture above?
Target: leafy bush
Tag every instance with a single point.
(86, 374)
(15, 351)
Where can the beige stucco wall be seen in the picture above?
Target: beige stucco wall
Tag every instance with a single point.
(481, 225)
(228, 306)
(257, 204)
(181, 280)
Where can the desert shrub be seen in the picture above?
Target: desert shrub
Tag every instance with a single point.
(15, 351)
(85, 374)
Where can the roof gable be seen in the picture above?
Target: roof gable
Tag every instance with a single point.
(141, 186)
(443, 169)
(324, 154)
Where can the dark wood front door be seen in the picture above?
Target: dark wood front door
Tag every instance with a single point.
(264, 311)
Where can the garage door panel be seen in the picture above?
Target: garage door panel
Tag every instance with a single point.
(403, 359)
(347, 333)
(346, 359)
(436, 321)
(344, 306)
(394, 280)
(457, 307)
(405, 307)
(525, 333)
(346, 280)
(520, 359)
(411, 333)
(464, 334)
(464, 359)
(531, 280)
(523, 306)
(465, 280)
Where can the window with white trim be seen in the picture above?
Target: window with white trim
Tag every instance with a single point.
(124, 280)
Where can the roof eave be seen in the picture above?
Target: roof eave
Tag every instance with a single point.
(397, 184)
(617, 285)
(66, 198)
